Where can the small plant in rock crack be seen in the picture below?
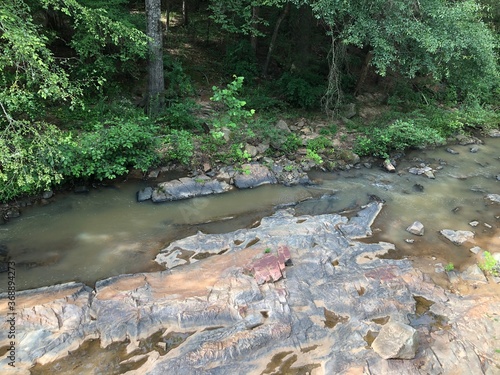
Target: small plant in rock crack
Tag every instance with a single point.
(449, 267)
(267, 251)
(489, 264)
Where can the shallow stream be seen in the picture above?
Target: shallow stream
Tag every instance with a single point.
(106, 232)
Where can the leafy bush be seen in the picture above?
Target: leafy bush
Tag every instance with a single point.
(319, 144)
(234, 114)
(291, 144)
(30, 155)
(240, 60)
(398, 136)
(302, 90)
(180, 115)
(179, 146)
(107, 152)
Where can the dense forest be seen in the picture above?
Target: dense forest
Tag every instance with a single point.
(90, 88)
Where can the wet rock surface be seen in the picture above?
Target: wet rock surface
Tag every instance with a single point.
(458, 237)
(188, 187)
(317, 316)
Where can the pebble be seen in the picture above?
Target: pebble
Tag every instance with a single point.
(475, 250)
(474, 223)
(408, 240)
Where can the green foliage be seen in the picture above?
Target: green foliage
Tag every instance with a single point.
(238, 154)
(302, 90)
(234, 113)
(331, 129)
(110, 149)
(291, 144)
(449, 267)
(240, 60)
(489, 264)
(399, 135)
(178, 83)
(267, 251)
(30, 154)
(313, 155)
(319, 144)
(180, 115)
(179, 146)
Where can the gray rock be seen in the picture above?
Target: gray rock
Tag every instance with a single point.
(144, 194)
(475, 250)
(47, 194)
(474, 149)
(495, 198)
(494, 133)
(251, 150)
(283, 126)
(187, 187)
(396, 340)
(474, 223)
(416, 228)
(458, 237)
(429, 174)
(473, 273)
(253, 175)
(452, 151)
(350, 110)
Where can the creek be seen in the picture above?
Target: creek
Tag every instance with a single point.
(106, 232)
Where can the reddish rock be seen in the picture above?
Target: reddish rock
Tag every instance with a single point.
(270, 267)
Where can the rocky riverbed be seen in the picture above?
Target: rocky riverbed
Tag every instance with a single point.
(290, 295)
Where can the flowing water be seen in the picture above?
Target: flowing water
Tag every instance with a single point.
(106, 232)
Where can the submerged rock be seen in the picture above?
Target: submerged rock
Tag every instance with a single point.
(458, 237)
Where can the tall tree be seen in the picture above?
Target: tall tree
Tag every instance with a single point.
(443, 40)
(156, 80)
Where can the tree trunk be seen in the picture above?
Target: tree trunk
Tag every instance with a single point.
(156, 83)
(185, 19)
(274, 37)
(303, 45)
(253, 38)
(364, 73)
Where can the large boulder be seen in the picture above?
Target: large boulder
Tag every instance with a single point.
(253, 175)
(396, 340)
(188, 187)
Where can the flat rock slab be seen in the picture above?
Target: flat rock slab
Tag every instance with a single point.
(458, 237)
(253, 175)
(314, 320)
(188, 187)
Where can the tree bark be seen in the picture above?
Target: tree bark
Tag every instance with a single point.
(364, 72)
(156, 82)
(274, 37)
(185, 19)
(253, 38)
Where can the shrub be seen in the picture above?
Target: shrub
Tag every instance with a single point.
(234, 113)
(398, 136)
(30, 155)
(301, 90)
(107, 152)
(240, 60)
(179, 146)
